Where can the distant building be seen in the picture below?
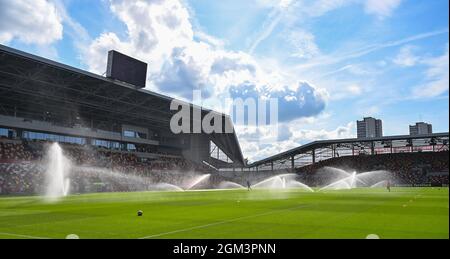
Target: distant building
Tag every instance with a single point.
(421, 128)
(370, 128)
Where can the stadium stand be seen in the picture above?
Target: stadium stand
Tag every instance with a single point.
(22, 167)
(407, 169)
(102, 170)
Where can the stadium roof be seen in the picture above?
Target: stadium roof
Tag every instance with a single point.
(323, 143)
(32, 82)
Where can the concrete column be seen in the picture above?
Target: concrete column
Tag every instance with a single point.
(292, 163)
(19, 133)
(314, 156)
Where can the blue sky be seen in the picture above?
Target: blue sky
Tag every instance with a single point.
(337, 60)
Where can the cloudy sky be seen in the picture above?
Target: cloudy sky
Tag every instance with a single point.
(330, 62)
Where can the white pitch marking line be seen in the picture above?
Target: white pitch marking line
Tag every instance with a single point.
(220, 223)
(25, 236)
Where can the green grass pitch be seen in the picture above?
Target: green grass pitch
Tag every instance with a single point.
(403, 213)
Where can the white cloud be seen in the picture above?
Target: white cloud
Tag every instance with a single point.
(75, 30)
(186, 70)
(180, 60)
(154, 30)
(304, 101)
(294, 136)
(381, 63)
(341, 56)
(94, 55)
(31, 22)
(382, 8)
(274, 3)
(353, 69)
(317, 8)
(278, 13)
(349, 88)
(213, 41)
(406, 57)
(372, 111)
(341, 132)
(437, 76)
(304, 44)
(354, 89)
(291, 12)
(266, 31)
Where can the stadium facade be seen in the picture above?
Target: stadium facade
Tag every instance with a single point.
(44, 100)
(328, 149)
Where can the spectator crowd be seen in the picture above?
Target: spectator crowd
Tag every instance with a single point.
(22, 168)
(412, 169)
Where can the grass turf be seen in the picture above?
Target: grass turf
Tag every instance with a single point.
(403, 213)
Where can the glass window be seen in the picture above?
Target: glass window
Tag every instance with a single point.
(134, 134)
(129, 134)
(3, 132)
(52, 137)
(131, 147)
(105, 143)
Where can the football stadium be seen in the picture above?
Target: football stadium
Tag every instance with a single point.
(89, 156)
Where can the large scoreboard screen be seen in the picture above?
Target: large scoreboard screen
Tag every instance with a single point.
(126, 69)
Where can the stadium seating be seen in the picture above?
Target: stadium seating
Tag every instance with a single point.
(418, 169)
(22, 168)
